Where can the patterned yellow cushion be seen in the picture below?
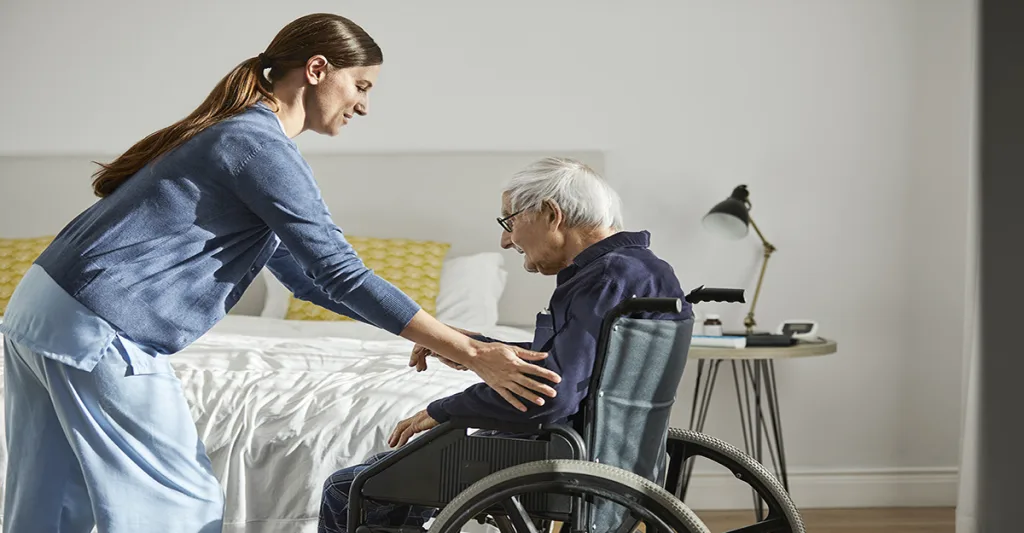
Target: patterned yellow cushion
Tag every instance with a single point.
(412, 266)
(16, 256)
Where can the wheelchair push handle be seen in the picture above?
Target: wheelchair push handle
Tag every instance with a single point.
(645, 305)
(673, 305)
(701, 294)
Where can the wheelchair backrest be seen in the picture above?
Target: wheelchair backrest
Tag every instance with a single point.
(632, 390)
(632, 393)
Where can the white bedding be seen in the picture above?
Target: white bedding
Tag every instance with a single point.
(282, 404)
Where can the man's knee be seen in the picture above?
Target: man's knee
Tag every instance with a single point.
(337, 485)
(341, 481)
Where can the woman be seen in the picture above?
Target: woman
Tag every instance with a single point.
(99, 431)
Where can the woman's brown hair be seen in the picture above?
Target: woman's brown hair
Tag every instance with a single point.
(337, 38)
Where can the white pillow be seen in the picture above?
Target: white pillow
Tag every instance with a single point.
(275, 302)
(470, 289)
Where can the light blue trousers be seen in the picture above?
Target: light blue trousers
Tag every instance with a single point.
(116, 448)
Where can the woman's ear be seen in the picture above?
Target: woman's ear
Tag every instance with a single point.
(316, 69)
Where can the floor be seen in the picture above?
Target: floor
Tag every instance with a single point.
(917, 520)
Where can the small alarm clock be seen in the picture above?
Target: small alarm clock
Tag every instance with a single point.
(799, 329)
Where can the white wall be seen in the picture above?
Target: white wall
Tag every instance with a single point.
(848, 120)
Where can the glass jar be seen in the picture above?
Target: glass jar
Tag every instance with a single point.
(713, 326)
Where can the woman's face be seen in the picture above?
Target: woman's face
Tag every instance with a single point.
(335, 95)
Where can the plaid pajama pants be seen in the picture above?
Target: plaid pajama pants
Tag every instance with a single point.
(334, 504)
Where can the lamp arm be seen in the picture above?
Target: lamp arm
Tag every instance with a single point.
(749, 321)
(761, 235)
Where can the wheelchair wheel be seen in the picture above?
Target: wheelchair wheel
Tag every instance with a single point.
(644, 499)
(683, 445)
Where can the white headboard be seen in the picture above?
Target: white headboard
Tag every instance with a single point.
(443, 196)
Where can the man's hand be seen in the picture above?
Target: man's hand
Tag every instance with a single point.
(419, 359)
(420, 353)
(418, 422)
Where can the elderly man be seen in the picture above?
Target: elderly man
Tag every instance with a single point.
(565, 220)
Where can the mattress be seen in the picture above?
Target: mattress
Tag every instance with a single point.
(280, 405)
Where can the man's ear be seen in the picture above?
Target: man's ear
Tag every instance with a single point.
(553, 213)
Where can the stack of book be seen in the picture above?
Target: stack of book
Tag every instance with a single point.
(720, 341)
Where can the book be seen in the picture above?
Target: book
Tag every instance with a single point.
(724, 341)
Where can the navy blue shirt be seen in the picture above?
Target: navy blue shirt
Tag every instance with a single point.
(617, 268)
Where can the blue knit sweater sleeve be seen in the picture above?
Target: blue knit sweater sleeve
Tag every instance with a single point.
(277, 184)
(283, 266)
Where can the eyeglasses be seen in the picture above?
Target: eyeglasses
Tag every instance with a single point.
(506, 222)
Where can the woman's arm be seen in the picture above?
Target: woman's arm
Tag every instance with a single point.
(499, 365)
(283, 266)
(277, 185)
(420, 353)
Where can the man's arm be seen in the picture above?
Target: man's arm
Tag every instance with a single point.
(572, 357)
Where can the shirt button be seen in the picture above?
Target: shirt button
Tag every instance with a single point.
(253, 270)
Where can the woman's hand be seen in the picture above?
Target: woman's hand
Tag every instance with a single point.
(502, 366)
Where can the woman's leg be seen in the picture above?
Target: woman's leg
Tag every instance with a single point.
(133, 433)
(45, 490)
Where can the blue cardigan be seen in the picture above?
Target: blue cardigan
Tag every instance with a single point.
(168, 254)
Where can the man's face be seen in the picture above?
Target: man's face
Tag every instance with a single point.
(506, 237)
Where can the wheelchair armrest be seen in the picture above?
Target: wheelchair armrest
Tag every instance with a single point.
(522, 428)
(531, 428)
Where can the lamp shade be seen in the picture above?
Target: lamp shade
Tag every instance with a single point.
(730, 218)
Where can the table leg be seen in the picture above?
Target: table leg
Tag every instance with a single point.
(755, 384)
(759, 382)
(702, 393)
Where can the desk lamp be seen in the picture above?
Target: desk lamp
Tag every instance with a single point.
(731, 219)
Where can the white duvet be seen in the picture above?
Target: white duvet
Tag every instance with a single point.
(282, 404)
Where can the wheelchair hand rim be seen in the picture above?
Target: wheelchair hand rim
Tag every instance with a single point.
(581, 485)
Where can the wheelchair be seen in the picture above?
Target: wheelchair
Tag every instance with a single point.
(617, 467)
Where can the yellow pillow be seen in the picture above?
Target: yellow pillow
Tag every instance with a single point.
(16, 256)
(412, 266)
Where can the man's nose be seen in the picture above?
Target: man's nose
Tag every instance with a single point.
(506, 240)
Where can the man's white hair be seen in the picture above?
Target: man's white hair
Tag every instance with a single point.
(585, 198)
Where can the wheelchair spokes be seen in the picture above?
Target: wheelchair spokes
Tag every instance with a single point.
(602, 493)
(685, 446)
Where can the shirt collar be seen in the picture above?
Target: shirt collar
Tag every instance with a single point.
(622, 239)
(277, 118)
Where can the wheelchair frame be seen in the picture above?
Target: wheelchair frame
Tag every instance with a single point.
(450, 460)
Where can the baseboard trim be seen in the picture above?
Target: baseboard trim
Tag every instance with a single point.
(817, 489)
